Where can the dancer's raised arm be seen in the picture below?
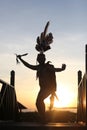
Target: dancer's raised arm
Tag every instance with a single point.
(33, 67)
(60, 69)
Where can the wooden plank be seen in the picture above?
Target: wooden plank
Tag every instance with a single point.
(38, 126)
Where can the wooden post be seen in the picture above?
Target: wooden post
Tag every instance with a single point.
(86, 58)
(79, 95)
(86, 78)
(79, 76)
(12, 78)
(12, 82)
(14, 101)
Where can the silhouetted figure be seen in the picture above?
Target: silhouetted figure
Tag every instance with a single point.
(51, 101)
(47, 80)
(53, 95)
(45, 71)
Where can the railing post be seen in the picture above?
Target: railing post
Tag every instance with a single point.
(79, 97)
(86, 78)
(12, 78)
(79, 76)
(14, 100)
(86, 58)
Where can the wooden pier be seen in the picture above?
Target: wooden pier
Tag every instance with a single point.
(37, 126)
(9, 109)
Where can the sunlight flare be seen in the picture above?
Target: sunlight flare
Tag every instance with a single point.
(65, 97)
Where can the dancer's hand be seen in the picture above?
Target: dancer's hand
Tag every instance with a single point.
(19, 56)
(63, 66)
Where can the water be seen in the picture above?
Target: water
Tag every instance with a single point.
(72, 109)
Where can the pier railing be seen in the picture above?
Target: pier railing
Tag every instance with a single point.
(8, 101)
(81, 101)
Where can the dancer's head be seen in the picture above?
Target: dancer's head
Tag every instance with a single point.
(41, 58)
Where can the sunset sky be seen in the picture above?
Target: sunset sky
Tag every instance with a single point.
(21, 21)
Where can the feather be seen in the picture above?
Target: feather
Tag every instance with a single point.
(17, 61)
(24, 54)
(44, 41)
(46, 27)
(38, 40)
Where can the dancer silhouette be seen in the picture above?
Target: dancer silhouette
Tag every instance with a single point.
(47, 80)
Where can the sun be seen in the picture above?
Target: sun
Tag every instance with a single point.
(65, 97)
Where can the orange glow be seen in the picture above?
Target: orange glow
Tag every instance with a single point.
(66, 98)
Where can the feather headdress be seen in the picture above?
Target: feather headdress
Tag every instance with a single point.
(44, 40)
